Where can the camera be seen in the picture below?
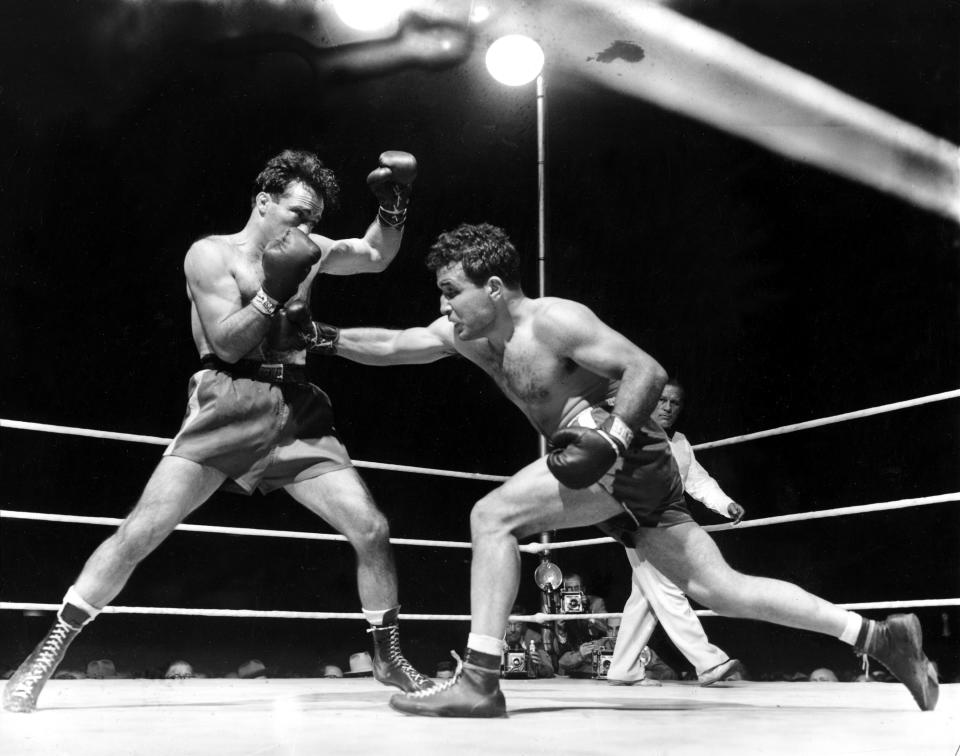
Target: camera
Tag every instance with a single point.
(573, 602)
(601, 663)
(513, 664)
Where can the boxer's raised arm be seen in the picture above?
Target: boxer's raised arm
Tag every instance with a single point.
(391, 184)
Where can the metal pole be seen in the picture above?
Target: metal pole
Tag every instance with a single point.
(541, 202)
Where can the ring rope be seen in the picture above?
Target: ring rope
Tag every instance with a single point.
(761, 521)
(830, 420)
(305, 535)
(530, 548)
(538, 618)
(157, 440)
(112, 435)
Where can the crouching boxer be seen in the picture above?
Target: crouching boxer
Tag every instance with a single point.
(253, 420)
(590, 391)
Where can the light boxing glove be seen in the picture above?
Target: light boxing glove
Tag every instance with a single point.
(582, 456)
(320, 338)
(391, 183)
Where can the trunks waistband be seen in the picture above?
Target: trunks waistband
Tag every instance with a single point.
(257, 371)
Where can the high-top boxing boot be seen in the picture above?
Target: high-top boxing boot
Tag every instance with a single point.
(23, 688)
(896, 643)
(390, 666)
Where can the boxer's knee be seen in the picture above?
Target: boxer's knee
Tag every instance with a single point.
(369, 531)
(489, 517)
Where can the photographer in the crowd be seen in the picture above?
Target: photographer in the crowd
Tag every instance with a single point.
(577, 639)
(518, 639)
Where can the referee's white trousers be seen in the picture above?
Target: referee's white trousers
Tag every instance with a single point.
(655, 597)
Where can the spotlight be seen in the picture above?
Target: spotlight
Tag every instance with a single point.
(369, 15)
(514, 60)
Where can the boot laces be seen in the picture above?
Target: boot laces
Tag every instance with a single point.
(446, 684)
(395, 655)
(45, 659)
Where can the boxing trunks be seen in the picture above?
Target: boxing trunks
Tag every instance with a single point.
(264, 426)
(645, 480)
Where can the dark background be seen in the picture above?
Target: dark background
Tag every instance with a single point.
(776, 292)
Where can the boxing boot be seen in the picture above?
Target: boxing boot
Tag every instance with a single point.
(23, 688)
(473, 691)
(390, 666)
(896, 643)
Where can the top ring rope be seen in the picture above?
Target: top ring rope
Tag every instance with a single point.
(159, 441)
(830, 420)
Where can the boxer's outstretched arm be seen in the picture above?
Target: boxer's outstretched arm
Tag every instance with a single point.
(411, 346)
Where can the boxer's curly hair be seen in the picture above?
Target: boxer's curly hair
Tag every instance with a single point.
(484, 250)
(298, 165)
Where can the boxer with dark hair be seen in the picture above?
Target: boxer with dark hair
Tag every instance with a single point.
(591, 392)
(253, 421)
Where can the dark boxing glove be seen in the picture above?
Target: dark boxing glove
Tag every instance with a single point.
(286, 262)
(391, 184)
(319, 338)
(582, 456)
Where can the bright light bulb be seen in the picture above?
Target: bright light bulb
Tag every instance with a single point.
(514, 60)
(368, 15)
(479, 13)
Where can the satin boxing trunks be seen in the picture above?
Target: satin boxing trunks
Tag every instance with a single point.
(645, 481)
(263, 426)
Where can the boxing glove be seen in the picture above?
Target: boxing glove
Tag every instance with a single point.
(286, 263)
(320, 338)
(582, 456)
(391, 185)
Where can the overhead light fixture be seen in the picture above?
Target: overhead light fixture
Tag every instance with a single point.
(514, 60)
(369, 15)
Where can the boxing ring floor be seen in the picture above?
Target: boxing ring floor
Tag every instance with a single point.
(290, 717)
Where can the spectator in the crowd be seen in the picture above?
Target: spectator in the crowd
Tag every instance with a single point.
(332, 671)
(576, 640)
(179, 670)
(520, 635)
(823, 674)
(101, 669)
(361, 665)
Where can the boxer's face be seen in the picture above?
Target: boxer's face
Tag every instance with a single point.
(669, 406)
(298, 207)
(466, 305)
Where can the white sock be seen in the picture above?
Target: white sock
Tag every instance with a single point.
(375, 616)
(76, 611)
(485, 644)
(851, 630)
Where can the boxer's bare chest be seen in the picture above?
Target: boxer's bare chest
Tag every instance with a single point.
(527, 371)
